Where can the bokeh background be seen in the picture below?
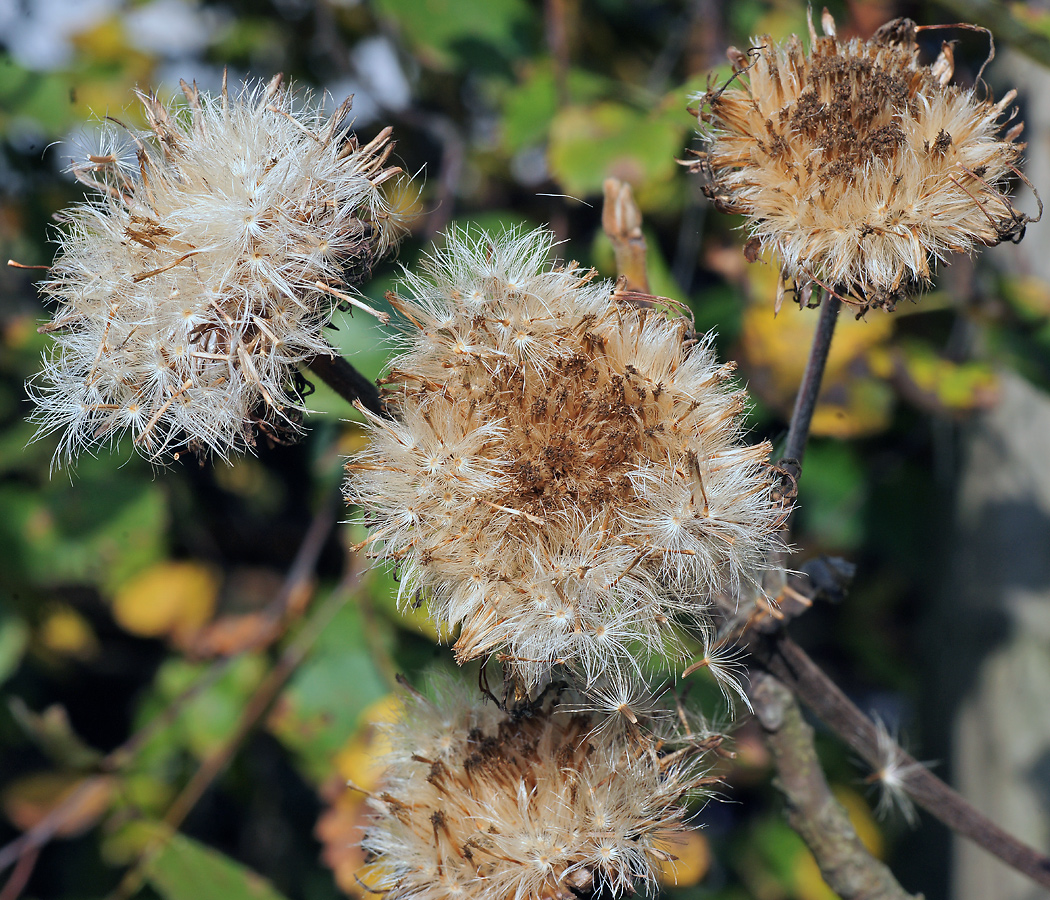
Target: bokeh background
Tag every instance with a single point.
(191, 660)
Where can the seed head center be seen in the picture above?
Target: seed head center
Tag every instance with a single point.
(574, 433)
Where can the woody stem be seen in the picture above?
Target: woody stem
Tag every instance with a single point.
(791, 667)
(347, 382)
(809, 389)
(848, 868)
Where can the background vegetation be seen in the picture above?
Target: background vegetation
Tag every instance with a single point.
(197, 648)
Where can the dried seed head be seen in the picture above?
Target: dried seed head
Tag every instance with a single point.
(565, 472)
(200, 275)
(860, 167)
(539, 803)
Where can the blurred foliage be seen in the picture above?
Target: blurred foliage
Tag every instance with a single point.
(143, 612)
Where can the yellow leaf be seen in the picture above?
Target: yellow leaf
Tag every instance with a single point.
(359, 760)
(339, 827)
(353, 439)
(693, 859)
(83, 801)
(68, 633)
(105, 41)
(1029, 294)
(774, 349)
(853, 407)
(19, 331)
(168, 599)
(862, 820)
(809, 883)
(339, 830)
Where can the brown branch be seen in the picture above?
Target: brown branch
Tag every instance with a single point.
(785, 660)
(790, 664)
(822, 822)
(809, 389)
(298, 575)
(555, 25)
(347, 382)
(1009, 28)
(258, 705)
(21, 875)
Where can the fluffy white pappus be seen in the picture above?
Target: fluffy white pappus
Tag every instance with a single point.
(724, 661)
(538, 803)
(189, 290)
(892, 775)
(565, 477)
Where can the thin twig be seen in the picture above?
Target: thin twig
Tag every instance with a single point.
(21, 875)
(809, 389)
(791, 665)
(347, 382)
(822, 822)
(555, 25)
(299, 572)
(785, 660)
(258, 705)
(1009, 28)
(44, 830)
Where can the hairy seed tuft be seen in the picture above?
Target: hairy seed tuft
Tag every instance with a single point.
(857, 165)
(565, 473)
(198, 278)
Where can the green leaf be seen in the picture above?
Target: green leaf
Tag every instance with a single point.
(100, 533)
(661, 279)
(939, 384)
(442, 30)
(52, 732)
(530, 106)
(187, 870)
(591, 143)
(207, 719)
(14, 635)
(832, 495)
(44, 97)
(320, 708)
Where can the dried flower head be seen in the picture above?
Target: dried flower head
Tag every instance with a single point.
(201, 273)
(565, 472)
(535, 804)
(859, 166)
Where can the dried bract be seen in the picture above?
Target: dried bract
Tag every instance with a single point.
(537, 804)
(565, 473)
(858, 165)
(199, 277)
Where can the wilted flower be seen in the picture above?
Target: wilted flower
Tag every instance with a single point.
(564, 473)
(536, 803)
(199, 277)
(860, 167)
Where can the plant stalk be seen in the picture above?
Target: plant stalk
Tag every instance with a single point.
(822, 822)
(809, 389)
(790, 664)
(347, 382)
